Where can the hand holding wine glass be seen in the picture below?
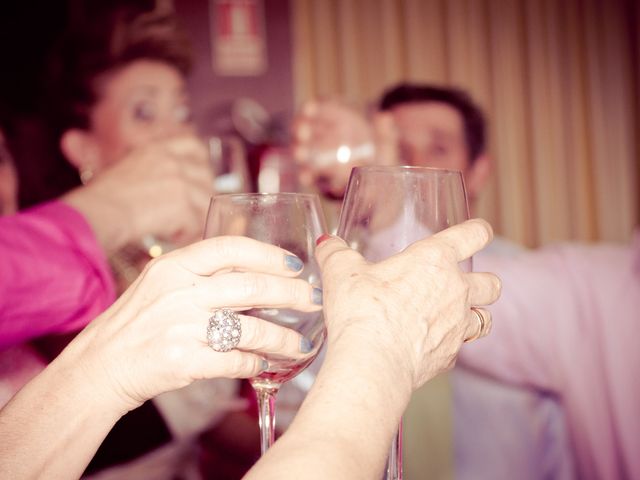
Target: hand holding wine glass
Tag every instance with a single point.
(331, 137)
(388, 208)
(293, 222)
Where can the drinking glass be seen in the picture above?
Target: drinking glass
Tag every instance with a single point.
(291, 221)
(387, 208)
(229, 163)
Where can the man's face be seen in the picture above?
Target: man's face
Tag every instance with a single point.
(431, 134)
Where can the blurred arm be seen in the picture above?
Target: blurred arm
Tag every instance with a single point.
(533, 319)
(54, 276)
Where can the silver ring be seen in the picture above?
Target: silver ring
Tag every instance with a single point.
(224, 330)
(481, 324)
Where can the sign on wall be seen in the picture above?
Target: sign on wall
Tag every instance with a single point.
(238, 39)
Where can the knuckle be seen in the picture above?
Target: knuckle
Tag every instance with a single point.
(333, 260)
(251, 332)
(240, 364)
(437, 254)
(253, 285)
(158, 266)
(176, 354)
(299, 291)
(224, 246)
(281, 338)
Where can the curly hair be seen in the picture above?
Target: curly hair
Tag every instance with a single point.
(87, 55)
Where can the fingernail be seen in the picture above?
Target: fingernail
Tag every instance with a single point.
(293, 263)
(306, 345)
(316, 296)
(322, 238)
(265, 365)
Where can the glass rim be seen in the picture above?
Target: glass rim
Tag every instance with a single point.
(401, 168)
(310, 196)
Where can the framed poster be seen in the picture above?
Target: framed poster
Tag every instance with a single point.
(238, 39)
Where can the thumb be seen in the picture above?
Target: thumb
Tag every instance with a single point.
(333, 249)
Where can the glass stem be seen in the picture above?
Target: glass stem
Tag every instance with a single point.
(267, 416)
(394, 464)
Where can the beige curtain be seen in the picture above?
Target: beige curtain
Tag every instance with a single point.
(557, 78)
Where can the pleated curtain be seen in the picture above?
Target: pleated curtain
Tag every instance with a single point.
(558, 80)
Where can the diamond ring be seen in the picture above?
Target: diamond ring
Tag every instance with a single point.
(224, 330)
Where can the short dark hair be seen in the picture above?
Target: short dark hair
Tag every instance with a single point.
(472, 115)
(88, 52)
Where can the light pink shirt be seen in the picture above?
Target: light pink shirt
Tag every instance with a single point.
(568, 322)
(54, 276)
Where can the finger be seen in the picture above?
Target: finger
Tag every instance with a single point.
(197, 175)
(466, 238)
(232, 364)
(332, 248)
(187, 146)
(240, 253)
(479, 323)
(262, 336)
(484, 288)
(241, 290)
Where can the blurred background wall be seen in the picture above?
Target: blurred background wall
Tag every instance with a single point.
(213, 93)
(558, 79)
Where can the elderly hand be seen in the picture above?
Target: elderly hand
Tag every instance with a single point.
(161, 189)
(411, 311)
(154, 338)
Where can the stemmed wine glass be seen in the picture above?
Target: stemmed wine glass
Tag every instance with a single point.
(386, 209)
(292, 221)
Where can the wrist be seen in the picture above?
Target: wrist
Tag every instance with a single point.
(372, 354)
(107, 221)
(81, 367)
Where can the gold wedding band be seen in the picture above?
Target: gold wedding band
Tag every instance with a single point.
(481, 324)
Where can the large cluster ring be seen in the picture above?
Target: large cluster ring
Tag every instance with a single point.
(481, 324)
(224, 330)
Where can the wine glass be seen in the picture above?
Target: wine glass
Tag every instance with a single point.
(292, 221)
(229, 163)
(331, 137)
(385, 209)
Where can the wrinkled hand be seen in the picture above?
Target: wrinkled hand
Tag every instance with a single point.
(412, 309)
(161, 189)
(153, 339)
(330, 138)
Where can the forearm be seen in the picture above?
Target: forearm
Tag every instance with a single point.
(106, 219)
(346, 424)
(53, 426)
(54, 277)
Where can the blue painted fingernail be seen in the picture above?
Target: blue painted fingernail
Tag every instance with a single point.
(265, 365)
(316, 296)
(306, 345)
(293, 263)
